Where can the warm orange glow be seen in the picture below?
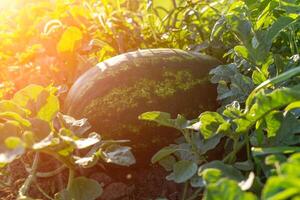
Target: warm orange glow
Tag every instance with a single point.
(6, 3)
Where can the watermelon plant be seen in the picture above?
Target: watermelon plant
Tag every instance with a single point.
(31, 123)
(185, 25)
(258, 120)
(248, 148)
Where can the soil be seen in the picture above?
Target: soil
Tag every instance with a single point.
(132, 183)
(137, 182)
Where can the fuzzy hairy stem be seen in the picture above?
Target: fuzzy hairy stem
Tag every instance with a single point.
(186, 185)
(71, 177)
(26, 185)
(48, 174)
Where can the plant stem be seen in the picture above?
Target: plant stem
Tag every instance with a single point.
(237, 147)
(71, 177)
(195, 194)
(186, 185)
(42, 191)
(25, 187)
(174, 3)
(248, 146)
(48, 174)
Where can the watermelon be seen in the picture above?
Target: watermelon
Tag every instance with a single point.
(115, 92)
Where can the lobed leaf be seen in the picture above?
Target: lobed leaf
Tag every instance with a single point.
(164, 152)
(69, 39)
(120, 155)
(212, 123)
(227, 170)
(183, 170)
(82, 189)
(226, 188)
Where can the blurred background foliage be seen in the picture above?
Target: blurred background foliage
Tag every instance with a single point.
(52, 42)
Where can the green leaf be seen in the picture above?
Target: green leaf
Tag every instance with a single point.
(217, 29)
(64, 151)
(164, 152)
(209, 144)
(232, 85)
(78, 127)
(227, 170)
(167, 162)
(258, 138)
(277, 79)
(10, 106)
(290, 168)
(292, 106)
(69, 39)
(265, 103)
(286, 184)
(30, 92)
(47, 106)
(85, 189)
(254, 42)
(279, 63)
(185, 152)
(212, 123)
(280, 24)
(92, 139)
(63, 195)
(197, 181)
(278, 188)
(211, 175)
(120, 155)
(287, 134)
(259, 151)
(49, 141)
(228, 189)
(258, 77)
(233, 110)
(164, 119)
(184, 170)
(282, 128)
(41, 102)
(244, 166)
(13, 142)
(274, 159)
(241, 27)
(86, 162)
(265, 14)
(79, 143)
(16, 117)
(273, 122)
(242, 51)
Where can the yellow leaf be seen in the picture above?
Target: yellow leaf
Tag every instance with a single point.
(69, 39)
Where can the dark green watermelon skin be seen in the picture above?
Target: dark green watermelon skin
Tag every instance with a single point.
(115, 92)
